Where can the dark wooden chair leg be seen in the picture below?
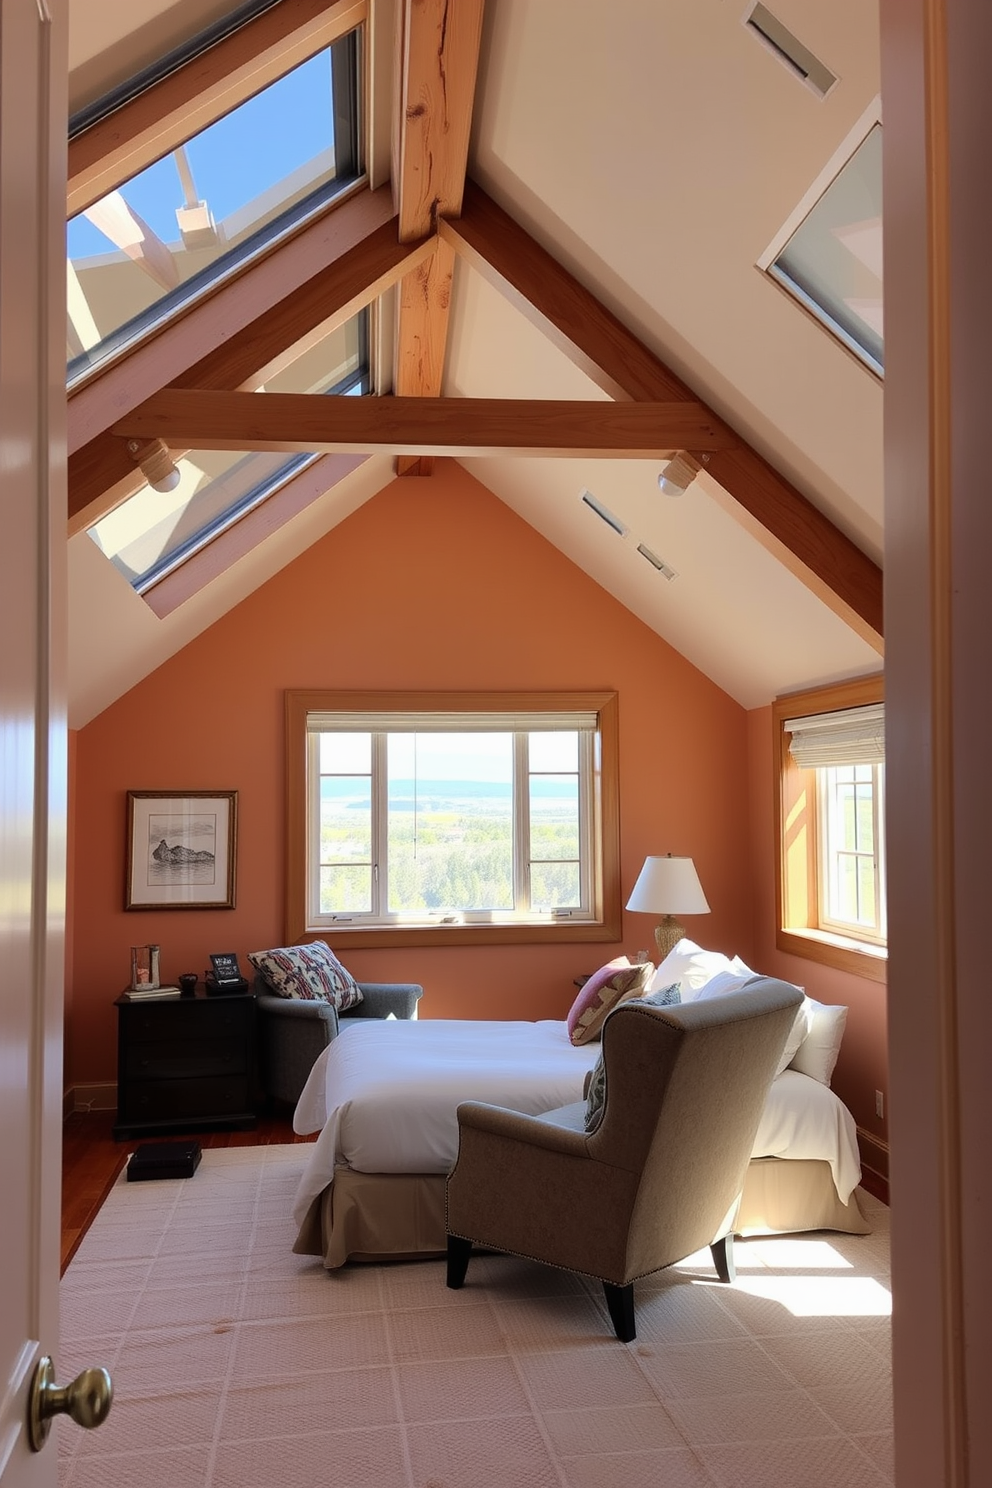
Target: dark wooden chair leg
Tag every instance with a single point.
(723, 1258)
(620, 1301)
(459, 1251)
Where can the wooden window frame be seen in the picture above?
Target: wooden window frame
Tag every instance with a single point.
(605, 926)
(797, 929)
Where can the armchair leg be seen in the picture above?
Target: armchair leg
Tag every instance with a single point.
(723, 1258)
(459, 1251)
(620, 1301)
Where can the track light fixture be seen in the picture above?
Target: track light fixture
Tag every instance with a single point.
(156, 463)
(678, 474)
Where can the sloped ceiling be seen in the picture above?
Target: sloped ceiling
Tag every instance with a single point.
(655, 149)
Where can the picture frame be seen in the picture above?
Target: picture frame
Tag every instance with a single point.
(181, 849)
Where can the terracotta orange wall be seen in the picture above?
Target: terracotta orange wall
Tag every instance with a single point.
(435, 584)
(863, 1064)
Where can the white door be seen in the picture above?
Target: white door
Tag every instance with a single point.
(32, 726)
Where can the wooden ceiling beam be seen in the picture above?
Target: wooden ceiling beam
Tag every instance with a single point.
(439, 55)
(594, 339)
(100, 473)
(462, 427)
(166, 115)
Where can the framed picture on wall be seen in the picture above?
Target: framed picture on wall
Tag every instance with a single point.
(181, 849)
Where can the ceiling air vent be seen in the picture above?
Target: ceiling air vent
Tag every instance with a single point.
(658, 563)
(797, 58)
(604, 512)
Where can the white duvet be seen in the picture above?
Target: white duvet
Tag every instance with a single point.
(383, 1096)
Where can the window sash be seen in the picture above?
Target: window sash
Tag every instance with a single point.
(523, 859)
(834, 852)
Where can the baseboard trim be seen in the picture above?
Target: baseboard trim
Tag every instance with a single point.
(874, 1164)
(95, 1097)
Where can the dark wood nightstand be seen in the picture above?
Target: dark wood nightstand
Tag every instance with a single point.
(185, 1064)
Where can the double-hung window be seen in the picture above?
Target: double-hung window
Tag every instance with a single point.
(452, 817)
(830, 752)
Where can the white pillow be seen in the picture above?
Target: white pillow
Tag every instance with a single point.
(690, 966)
(727, 982)
(817, 1054)
(724, 983)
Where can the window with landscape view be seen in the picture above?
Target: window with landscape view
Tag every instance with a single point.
(452, 818)
(830, 758)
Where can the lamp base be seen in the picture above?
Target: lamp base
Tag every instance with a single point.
(668, 932)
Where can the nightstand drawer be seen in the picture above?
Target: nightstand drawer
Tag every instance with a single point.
(171, 1100)
(172, 1058)
(181, 1021)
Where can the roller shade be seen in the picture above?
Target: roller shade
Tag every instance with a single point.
(451, 723)
(851, 736)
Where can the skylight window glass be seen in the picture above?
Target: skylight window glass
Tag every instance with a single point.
(832, 263)
(174, 229)
(152, 532)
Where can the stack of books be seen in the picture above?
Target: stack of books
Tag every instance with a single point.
(138, 994)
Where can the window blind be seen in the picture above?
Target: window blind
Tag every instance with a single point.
(451, 723)
(850, 736)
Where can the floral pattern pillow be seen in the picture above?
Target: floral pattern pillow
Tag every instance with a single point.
(311, 973)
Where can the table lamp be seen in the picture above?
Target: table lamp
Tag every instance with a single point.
(668, 886)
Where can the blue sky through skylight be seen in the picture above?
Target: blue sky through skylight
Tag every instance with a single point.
(233, 160)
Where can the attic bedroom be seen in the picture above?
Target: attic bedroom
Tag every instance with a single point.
(598, 455)
(447, 570)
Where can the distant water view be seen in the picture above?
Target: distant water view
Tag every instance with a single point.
(450, 844)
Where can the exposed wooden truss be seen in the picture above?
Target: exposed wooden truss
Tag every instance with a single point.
(463, 427)
(246, 329)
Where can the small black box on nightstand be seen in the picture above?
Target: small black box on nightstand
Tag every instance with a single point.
(163, 1160)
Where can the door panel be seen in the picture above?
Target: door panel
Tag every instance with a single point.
(32, 723)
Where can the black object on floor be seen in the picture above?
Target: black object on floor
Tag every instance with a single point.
(163, 1160)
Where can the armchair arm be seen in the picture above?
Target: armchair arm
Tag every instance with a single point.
(271, 1005)
(563, 1135)
(379, 999)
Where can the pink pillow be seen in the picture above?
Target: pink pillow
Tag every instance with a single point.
(612, 983)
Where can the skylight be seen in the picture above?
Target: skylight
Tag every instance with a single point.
(832, 263)
(153, 532)
(174, 229)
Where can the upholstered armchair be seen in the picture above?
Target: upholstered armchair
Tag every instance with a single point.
(293, 1032)
(661, 1175)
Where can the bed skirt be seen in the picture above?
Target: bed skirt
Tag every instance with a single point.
(400, 1216)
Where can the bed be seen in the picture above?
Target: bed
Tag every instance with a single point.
(383, 1097)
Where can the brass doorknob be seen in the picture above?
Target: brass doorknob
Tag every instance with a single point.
(87, 1400)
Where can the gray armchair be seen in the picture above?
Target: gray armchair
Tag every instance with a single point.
(292, 1033)
(659, 1178)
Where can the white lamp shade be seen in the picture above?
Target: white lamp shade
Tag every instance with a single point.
(668, 886)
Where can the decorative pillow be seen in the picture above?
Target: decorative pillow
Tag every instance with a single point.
(310, 972)
(596, 1083)
(596, 1095)
(817, 1053)
(612, 983)
(727, 982)
(661, 997)
(690, 966)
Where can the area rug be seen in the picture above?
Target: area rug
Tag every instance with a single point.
(239, 1365)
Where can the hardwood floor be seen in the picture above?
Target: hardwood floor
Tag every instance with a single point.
(91, 1161)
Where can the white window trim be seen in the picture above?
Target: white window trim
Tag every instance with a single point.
(379, 914)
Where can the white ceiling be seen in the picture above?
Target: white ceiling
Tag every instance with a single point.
(656, 148)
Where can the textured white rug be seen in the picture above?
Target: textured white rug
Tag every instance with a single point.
(239, 1365)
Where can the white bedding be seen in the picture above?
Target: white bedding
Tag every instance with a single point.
(383, 1096)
